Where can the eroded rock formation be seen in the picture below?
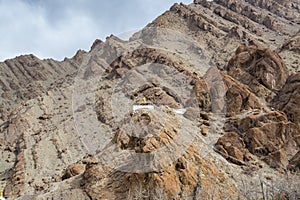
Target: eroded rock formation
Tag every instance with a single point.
(234, 73)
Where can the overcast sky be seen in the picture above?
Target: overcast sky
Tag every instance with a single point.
(58, 28)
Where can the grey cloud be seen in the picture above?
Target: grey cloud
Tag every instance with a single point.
(56, 28)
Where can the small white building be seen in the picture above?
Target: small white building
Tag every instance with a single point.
(179, 111)
(151, 107)
(140, 107)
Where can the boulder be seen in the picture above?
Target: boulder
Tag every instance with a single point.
(232, 147)
(73, 170)
(269, 136)
(230, 96)
(261, 69)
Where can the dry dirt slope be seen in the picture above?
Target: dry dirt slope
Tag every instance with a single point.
(233, 65)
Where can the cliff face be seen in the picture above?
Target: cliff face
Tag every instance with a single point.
(221, 82)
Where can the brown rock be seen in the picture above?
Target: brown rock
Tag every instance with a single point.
(258, 120)
(40, 186)
(279, 8)
(294, 163)
(202, 94)
(238, 97)
(15, 186)
(79, 56)
(277, 159)
(232, 147)
(255, 66)
(205, 131)
(269, 136)
(192, 114)
(288, 99)
(204, 116)
(96, 43)
(292, 44)
(228, 95)
(73, 170)
(150, 145)
(173, 182)
(44, 117)
(218, 10)
(161, 96)
(237, 32)
(254, 13)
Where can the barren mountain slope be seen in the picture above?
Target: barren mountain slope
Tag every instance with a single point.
(219, 82)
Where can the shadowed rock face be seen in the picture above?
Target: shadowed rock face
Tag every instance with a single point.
(288, 99)
(233, 148)
(239, 97)
(258, 68)
(270, 136)
(221, 61)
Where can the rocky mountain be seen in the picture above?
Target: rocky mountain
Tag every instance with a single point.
(202, 103)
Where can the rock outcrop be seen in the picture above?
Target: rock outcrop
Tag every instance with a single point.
(233, 148)
(73, 170)
(262, 69)
(202, 103)
(288, 99)
(195, 176)
(239, 97)
(270, 136)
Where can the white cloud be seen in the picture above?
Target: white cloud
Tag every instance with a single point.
(55, 28)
